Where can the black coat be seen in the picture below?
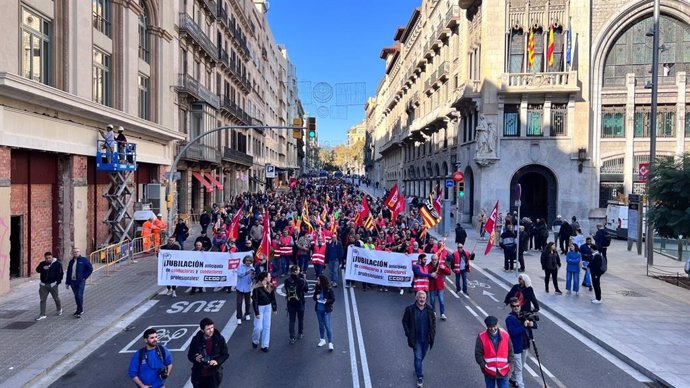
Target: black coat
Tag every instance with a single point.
(330, 298)
(409, 323)
(204, 219)
(460, 235)
(181, 231)
(529, 299)
(566, 231)
(219, 354)
(550, 261)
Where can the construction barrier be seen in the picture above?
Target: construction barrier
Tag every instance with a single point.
(105, 259)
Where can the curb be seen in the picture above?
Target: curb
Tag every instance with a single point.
(80, 344)
(654, 377)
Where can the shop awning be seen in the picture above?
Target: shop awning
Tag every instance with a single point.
(214, 180)
(204, 182)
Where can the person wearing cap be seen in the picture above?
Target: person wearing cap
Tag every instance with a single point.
(493, 352)
(419, 324)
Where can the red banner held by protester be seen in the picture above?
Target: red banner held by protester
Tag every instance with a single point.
(265, 246)
(393, 198)
(235, 224)
(490, 228)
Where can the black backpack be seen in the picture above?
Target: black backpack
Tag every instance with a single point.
(604, 263)
(607, 240)
(291, 291)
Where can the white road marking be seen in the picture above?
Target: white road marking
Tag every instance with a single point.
(530, 370)
(452, 292)
(471, 311)
(482, 310)
(350, 338)
(360, 340)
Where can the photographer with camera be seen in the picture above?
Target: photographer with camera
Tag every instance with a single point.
(151, 365)
(520, 325)
(207, 353)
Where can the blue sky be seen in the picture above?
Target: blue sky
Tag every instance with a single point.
(337, 43)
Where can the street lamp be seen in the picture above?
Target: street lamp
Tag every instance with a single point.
(581, 157)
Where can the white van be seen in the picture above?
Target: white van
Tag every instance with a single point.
(617, 219)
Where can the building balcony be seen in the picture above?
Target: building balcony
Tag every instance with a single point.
(442, 71)
(228, 106)
(210, 7)
(453, 16)
(222, 15)
(223, 57)
(465, 4)
(189, 85)
(189, 28)
(200, 152)
(239, 40)
(556, 82)
(238, 157)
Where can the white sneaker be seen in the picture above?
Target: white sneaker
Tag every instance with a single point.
(239, 321)
(322, 342)
(174, 294)
(443, 317)
(42, 317)
(402, 292)
(330, 346)
(169, 293)
(248, 317)
(59, 312)
(596, 301)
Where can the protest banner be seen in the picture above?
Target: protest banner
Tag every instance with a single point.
(198, 268)
(390, 269)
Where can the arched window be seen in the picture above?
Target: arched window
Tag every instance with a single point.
(144, 35)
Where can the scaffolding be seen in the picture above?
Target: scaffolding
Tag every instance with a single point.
(120, 161)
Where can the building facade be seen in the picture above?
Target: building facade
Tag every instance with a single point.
(504, 91)
(67, 70)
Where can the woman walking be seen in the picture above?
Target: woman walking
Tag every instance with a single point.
(573, 259)
(524, 292)
(324, 297)
(263, 301)
(550, 263)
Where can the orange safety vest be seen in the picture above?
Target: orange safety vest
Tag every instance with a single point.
(421, 283)
(456, 266)
(319, 255)
(496, 361)
(285, 245)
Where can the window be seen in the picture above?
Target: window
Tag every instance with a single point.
(687, 121)
(144, 97)
(516, 51)
(558, 41)
(559, 119)
(35, 32)
(144, 36)
(511, 121)
(538, 52)
(102, 82)
(666, 119)
(102, 15)
(613, 121)
(534, 120)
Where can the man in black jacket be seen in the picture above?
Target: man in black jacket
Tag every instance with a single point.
(51, 277)
(295, 288)
(419, 323)
(564, 235)
(207, 353)
(460, 234)
(205, 241)
(204, 221)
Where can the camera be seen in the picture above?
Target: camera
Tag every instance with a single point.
(205, 359)
(163, 373)
(529, 316)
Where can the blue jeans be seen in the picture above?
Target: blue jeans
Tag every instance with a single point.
(461, 276)
(441, 296)
(420, 349)
(318, 268)
(493, 382)
(78, 290)
(303, 262)
(588, 279)
(333, 268)
(573, 277)
(325, 324)
(277, 266)
(285, 264)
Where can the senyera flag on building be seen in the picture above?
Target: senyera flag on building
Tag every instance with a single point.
(490, 228)
(390, 269)
(198, 268)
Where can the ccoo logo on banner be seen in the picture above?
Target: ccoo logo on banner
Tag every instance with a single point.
(199, 269)
(389, 269)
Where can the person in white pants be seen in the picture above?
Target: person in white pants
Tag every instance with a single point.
(263, 302)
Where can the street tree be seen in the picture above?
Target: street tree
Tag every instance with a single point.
(669, 190)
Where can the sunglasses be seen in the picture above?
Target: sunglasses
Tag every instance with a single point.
(514, 305)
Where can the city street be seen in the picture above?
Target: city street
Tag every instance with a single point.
(370, 348)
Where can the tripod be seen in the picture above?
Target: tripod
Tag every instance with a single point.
(536, 353)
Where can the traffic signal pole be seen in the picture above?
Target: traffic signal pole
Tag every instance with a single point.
(173, 167)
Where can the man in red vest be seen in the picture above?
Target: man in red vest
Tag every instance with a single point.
(421, 274)
(318, 256)
(461, 267)
(493, 352)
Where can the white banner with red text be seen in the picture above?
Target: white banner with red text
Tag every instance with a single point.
(390, 269)
(199, 268)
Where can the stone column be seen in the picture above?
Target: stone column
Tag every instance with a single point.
(72, 197)
(5, 191)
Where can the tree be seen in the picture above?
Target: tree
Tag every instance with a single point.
(669, 190)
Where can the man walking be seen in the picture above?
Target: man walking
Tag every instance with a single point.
(419, 323)
(295, 288)
(597, 268)
(151, 365)
(51, 277)
(78, 270)
(171, 246)
(520, 331)
(207, 352)
(334, 254)
(493, 351)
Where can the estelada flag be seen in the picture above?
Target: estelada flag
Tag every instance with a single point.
(265, 246)
(393, 198)
(235, 224)
(490, 228)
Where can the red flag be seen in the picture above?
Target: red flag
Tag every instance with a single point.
(393, 198)
(364, 213)
(490, 228)
(265, 246)
(437, 202)
(235, 223)
(399, 208)
(293, 183)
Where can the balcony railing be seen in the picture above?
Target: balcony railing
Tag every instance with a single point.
(210, 6)
(189, 26)
(452, 16)
(200, 152)
(223, 56)
(238, 157)
(188, 84)
(222, 14)
(442, 71)
(565, 81)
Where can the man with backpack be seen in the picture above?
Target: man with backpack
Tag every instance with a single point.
(151, 365)
(597, 267)
(602, 239)
(295, 288)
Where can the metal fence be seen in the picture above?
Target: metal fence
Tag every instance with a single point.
(106, 258)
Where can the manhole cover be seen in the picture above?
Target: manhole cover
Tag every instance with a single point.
(8, 314)
(629, 293)
(21, 325)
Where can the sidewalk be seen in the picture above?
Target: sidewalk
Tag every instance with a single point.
(642, 320)
(29, 348)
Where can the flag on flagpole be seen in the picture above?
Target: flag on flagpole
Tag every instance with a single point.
(530, 48)
(569, 44)
(429, 215)
(393, 197)
(490, 228)
(265, 245)
(551, 46)
(305, 217)
(235, 224)
(364, 213)
(368, 223)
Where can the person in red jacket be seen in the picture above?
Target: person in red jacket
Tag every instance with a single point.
(461, 266)
(437, 285)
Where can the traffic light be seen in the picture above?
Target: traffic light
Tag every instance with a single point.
(461, 189)
(169, 200)
(311, 127)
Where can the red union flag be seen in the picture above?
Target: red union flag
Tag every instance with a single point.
(490, 228)
(393, 197)
(235, 224)
(265, 246)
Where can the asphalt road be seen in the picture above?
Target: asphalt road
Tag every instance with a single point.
(370, 348)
